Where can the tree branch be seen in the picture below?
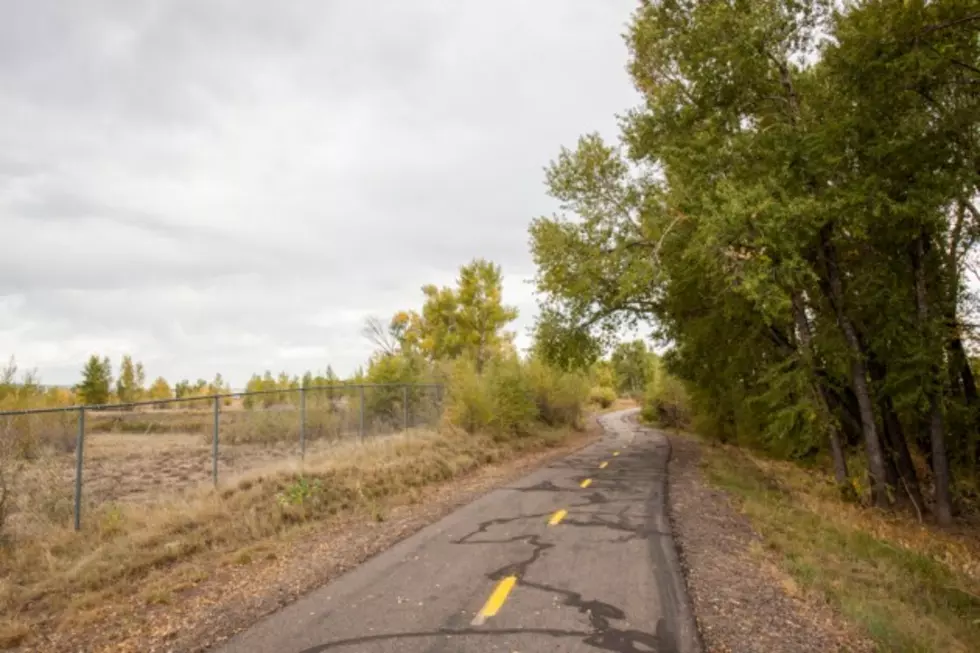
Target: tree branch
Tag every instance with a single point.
(949, 23)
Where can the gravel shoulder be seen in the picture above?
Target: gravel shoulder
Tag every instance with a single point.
(741, 601)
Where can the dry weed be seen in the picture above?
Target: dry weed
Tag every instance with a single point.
(54, 578)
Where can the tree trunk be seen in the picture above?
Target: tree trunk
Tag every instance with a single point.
(906, 481)
(836, 450)
(833, 434)
(859, 372)
(937, 435)
(847, 411)
(960, 366)
(955, 357)
(903, 458)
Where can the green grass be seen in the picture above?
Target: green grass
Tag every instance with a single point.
(910, 587)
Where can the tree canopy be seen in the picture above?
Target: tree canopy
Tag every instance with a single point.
(466, 321)
(794, 207)
(96, 383)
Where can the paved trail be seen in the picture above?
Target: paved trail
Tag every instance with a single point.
(576, 556)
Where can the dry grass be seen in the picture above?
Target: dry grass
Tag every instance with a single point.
(911, 586)
(146, 454)
(129, 556)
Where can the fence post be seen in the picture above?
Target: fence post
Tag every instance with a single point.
(405, 406)
(360, 430)
(79, 454)
(302, 421)
(214, 440)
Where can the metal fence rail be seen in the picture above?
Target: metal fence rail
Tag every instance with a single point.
(269, 417)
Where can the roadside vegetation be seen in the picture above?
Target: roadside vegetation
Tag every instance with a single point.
(792, 208)
(131, 554)
(910, 586)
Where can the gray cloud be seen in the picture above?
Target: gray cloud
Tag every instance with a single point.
(233, 186)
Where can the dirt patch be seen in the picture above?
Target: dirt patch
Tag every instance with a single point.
(206, 606)
(742, 602)
(123, 467)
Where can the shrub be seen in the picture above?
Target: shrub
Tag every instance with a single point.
(511, 397)
(665, 402)
(468, 403)
(559, 396)
(28, 437)
(8, 473)
(602, 397)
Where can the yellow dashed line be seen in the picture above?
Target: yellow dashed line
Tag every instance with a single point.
(495, 601)
(615, 453)
(603, 464)
(557, 517)
(586, 483)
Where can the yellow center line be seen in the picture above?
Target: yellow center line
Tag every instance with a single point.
(615, 453)
(587, 482)
(603, 464)
(557, 517)
(495, 601)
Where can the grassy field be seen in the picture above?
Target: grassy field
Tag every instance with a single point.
(911, 586)
(149, 533)
(141, 455)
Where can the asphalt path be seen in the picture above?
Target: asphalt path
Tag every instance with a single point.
(576, 556)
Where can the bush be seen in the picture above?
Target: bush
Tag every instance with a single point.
(499, 400)
(665, 402)
(602, 397)
(559, 396)
(468, 403)
(28, 437)
(510, 396)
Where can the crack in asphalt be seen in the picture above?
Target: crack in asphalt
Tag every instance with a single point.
(603, 634)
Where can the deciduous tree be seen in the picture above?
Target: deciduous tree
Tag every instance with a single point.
(96, 381)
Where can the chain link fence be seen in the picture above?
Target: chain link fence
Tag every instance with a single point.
(83, 455)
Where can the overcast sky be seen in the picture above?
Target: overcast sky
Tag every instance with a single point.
(231, 186)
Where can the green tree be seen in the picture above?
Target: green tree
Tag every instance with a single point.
(631, 364)
(602, 375)
(128, 388)
(253, 385)
(792, 207)
(467, 320)
(140, 379)
(217, 385)
(96, 381)
(561, 347)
